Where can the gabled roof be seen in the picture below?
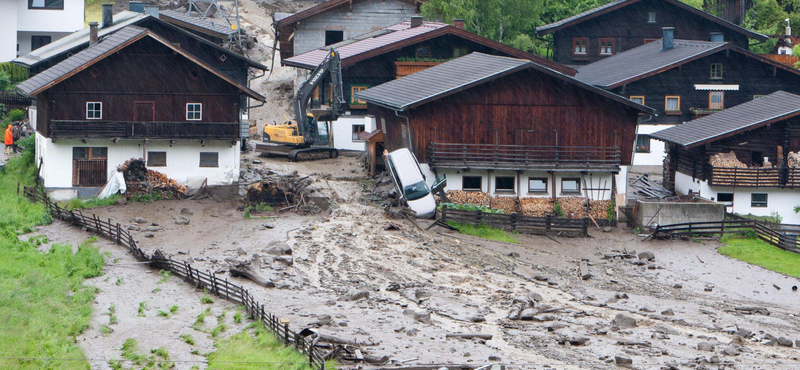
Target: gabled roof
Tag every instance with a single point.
(649, 59)
(207, 26)
(287, 19)
(772, 108)
(463, 73)
(401, 35)
(617, 4)
(80, 39)
(108, 46)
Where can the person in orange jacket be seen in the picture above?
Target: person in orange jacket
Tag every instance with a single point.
(9, 141)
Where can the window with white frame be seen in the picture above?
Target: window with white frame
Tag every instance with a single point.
(537, 184)
(194, 111)
(94, 110)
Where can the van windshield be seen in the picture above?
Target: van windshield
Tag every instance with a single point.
(416, 191)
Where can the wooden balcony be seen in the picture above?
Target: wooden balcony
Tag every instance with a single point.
(93, 129)
(754, 177)
(523, 157)
(409, 68)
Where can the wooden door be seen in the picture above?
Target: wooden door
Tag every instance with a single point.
(144, 111)
(89, 166)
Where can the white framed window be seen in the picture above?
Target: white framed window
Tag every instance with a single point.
(357, 129)
(194, 111)
(94, 110)
(651, 17)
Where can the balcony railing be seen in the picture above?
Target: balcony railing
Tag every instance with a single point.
(754, 177)
(143, 130)
(520, 157)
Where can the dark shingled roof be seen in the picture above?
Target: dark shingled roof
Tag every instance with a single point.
(400, 35)
(772, 108)
(201, 25)
(108, 46)
(459, 74)
(285, 19)
(60, 71)
(642, 61)
(614, 5)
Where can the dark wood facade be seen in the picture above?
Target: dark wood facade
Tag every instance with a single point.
(773, 141)
(381, 68)
(145, 82)
(630, 26)
(754, 75)
(525, 109)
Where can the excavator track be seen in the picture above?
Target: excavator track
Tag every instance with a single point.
(308, 154)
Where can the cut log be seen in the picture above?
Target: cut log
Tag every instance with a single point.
(469, 336)
(248, 270)
(338, 340)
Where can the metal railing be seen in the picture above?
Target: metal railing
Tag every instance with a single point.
(143, 130)
(523, 156)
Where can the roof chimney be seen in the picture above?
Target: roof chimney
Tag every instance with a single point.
(459, 23)
(108, 15)
(668, 40)
(788, 27)
(151, 10)
(416, 21)
(717, 37)
(92, 33)
(136, 6)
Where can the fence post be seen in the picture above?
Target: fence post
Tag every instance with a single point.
(119, 236)
(444, 213)
(548, 222)
(297, 342)
(227, 290)
(286, 333)
(722, 228)
(514, 221)
(479, 213)
(585, 228)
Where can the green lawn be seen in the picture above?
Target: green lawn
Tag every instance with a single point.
(759, 252)
(257, 349)
(43, 302)
(93, 11)
(483, 231)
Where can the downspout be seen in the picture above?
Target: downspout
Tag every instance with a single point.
(408, 126)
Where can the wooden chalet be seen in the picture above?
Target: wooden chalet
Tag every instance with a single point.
(390, 53)
(508, 126)
(684, 80)
(747, 157)
(334, 21)
(135, 94)
(625, 24)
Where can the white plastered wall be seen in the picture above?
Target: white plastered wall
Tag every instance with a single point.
(658, 149)
(8, 29)
(70, 19)
(343, 131)
(780, 201)
(183, 159)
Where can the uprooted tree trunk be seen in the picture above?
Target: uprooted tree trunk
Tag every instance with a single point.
(249, 269)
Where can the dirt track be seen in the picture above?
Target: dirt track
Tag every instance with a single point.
(423, 285)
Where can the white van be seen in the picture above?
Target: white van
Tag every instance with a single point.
(410, 182)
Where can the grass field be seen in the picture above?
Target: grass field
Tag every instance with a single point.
(257, 349)
(483, 231)
(43, 302)
(93, 11)
(758, 252)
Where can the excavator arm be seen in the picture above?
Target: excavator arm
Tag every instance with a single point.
(331, 64)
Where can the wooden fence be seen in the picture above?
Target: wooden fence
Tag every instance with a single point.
(519, 223)
(781, 236)
(200, 279)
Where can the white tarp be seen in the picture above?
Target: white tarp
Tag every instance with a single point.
(115, 184)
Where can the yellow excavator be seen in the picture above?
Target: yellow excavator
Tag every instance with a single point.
(295, 138)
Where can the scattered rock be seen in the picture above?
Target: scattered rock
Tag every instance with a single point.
(180, 220)
(240, 251)
(139, 220)
(186, 211)
(647, 256)
(668, 312)
(391, 226)
(544, 318)
(622, 360)
(647, 309)
(286, 260)
(624, 321)
(354, 296)
(393, 287)
(678, 286)
(621, 295)
(540, 278)
(149, 235)
(535, 297)
(785, 342)
(705, 346)
(477, 318)
(528, 314)
(744, 333)
(731, 351)
(279, 249)
(423, 316)
(121, 201)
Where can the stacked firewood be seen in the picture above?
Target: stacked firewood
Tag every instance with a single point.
(726, 160)
(477, 198)
(507, 204)
(794, 159)
(573, 207)
(536, 207)
(599, 209)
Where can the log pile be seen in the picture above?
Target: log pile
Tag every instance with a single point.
(726, 160)
(477, 198)
(536, 207)
(794, 159)
(290, 191)
(140, 180)
(507, 204)
(573, 207)
(599, 209)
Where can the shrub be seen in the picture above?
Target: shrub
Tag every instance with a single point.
(16, 115)
(15, 73)
(5, 81)
(557, 210)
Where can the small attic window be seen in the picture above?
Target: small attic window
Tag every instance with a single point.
(194, 74)
(223, 57)
(95, 72)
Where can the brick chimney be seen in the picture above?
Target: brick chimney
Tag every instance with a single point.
(416, 21)
(108, 15)
(92, 33)
(459, 23)
(668, 40)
